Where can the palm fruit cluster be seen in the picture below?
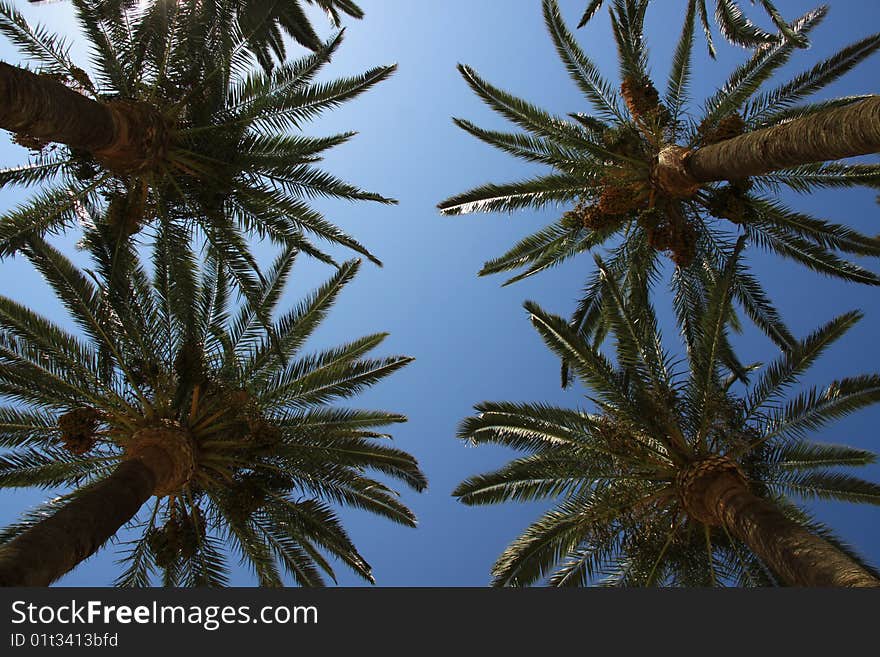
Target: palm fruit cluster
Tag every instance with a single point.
(623, 141)
(79, 429)
(263, 434)
(251, 491)
(729, 127)
(615, 437)
(587, 216)
(127, 212)
(180, 536)
(247, 420)
(143, 372)
(190, 365)
(574, 218)
(729, 201)
(616, 199)
(594, 219)
(728, 424)
(619, 197)
(240, 407)
(620, 439)
(666, 404)
(643, 100)
(672, 232)
(84, 166)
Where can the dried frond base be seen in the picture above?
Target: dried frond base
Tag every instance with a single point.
(670, 174)
(693, 481)
(177, 445)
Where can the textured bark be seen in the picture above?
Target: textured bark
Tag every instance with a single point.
(40, 107)
(56, 545)
(126, 136)
(829, 135)
(796, 556)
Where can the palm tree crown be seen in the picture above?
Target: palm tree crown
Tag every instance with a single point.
(617, 171)
(263, 21)
(216, 156)
(734, 25)
(628, 474)
(167, 354)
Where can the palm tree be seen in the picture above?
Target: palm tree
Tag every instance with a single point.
(675, 479)
(174, 394)
(176, 132)
(735, 27)
(264, 21)
(662, 181)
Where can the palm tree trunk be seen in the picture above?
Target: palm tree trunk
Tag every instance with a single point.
(56, 545)
(829, 135)
(796, 556)
(38, 106)
(125, 136)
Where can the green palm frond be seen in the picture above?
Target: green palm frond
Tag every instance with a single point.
(786, 369)
(50, 51)
(827, 485)
(732, 23)
(805, 455)
(813, 409)
(580, 67)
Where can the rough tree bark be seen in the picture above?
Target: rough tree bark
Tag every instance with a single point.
(159, 461)
(795, 555)
(126, 136)
(833, 134)
(54, 546)
(40, 107)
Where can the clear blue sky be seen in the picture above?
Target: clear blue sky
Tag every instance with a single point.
(470, 337)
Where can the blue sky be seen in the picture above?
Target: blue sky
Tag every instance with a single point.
(470, 337)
